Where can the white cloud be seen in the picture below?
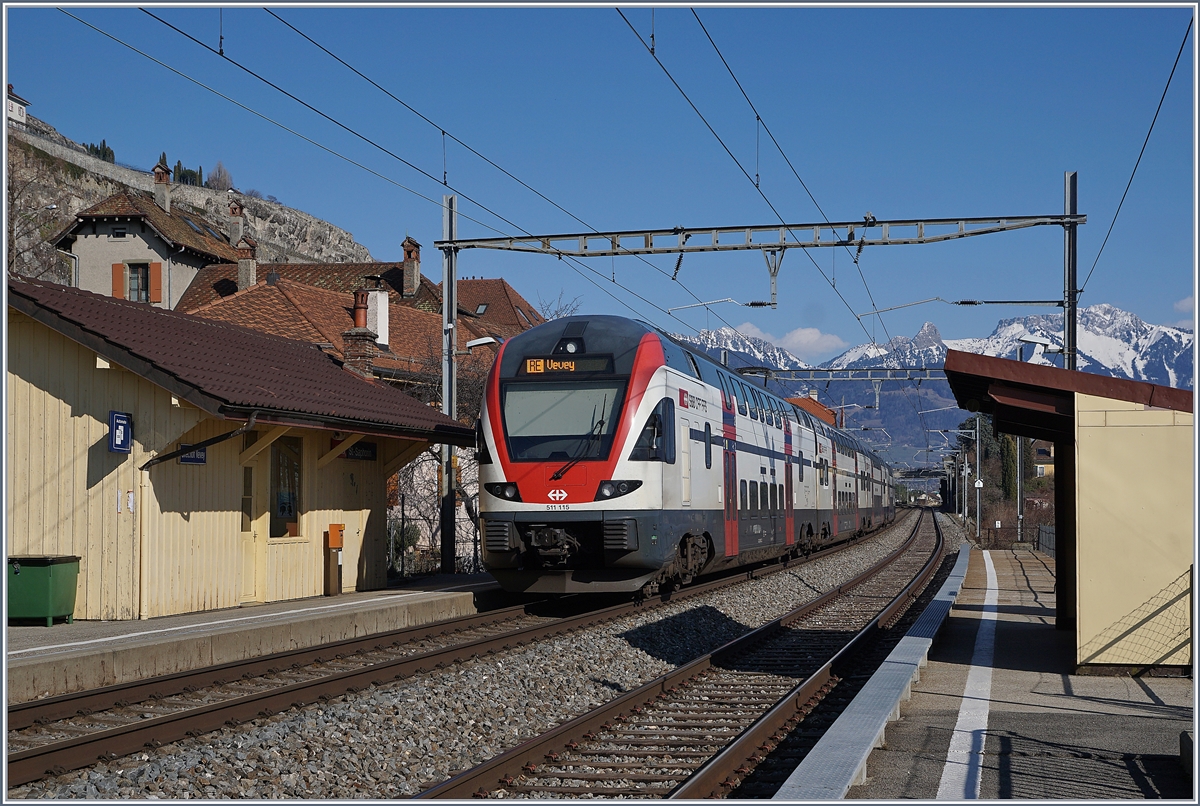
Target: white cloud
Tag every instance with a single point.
(1187, 306)
(806, 343)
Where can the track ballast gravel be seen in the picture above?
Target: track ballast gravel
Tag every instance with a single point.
(399, 739)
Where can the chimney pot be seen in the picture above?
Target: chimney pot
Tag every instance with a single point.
(360, 309)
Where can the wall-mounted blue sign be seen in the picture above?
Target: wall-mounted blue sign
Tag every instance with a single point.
(197, 457)
(120, 432)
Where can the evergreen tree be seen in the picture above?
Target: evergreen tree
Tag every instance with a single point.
(1008, 466)
(162, 159)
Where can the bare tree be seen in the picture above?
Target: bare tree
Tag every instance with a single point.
(414, 492)
(36, 212)
(557, 308)
(219, 178)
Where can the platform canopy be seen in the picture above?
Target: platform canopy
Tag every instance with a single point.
(1036, 401)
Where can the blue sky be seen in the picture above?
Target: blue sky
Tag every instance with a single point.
(903, 112)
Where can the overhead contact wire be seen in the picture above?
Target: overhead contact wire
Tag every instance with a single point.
(1140, 153)
(481, 156)
(355, 163)
(866, 286)
(395, 156)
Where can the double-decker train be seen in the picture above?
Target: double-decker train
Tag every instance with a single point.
(614, 458)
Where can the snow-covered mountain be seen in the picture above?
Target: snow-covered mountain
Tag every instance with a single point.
(1111, 342)
(744, 351)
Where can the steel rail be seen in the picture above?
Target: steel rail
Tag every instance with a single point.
(57, 757)
(503, 768)
(83, 703)
(713, 778)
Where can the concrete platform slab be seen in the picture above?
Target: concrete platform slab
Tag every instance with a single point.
(1050, 734)
(66, 658)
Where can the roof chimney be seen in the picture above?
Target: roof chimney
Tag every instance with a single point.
(247, 264)
(162, 186)
(377, 311)
(412, 267)
(237, 221)
(358, 351)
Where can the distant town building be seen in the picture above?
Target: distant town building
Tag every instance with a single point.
(16, 109)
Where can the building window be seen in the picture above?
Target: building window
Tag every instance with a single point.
(118, 232)
(286, 478)
(140, 282)
(1041, 471)
(138, 288)
(479, 311)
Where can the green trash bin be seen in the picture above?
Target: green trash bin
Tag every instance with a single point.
(42, 587)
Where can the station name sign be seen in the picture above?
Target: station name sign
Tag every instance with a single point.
(555, 365)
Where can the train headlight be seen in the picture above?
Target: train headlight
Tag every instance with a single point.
(504, 489)
(615, 489)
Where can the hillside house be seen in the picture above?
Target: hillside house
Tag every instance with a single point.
(137, 247)
(1043, 459)
(15, 105)
(240, 451)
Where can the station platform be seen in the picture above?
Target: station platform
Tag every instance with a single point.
(47, 661)
(996, 712)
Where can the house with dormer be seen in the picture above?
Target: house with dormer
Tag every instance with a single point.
(140, 247)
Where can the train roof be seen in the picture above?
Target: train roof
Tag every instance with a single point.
(619, 335)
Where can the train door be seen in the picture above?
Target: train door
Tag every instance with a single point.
(729, 478)
(685, 461)
(856, 496)
(788, 505)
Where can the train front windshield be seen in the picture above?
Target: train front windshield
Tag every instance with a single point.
(552, 420)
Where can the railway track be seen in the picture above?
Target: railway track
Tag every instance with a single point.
(55, 735)
(699, 730)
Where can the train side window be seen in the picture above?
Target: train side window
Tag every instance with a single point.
(750, 402)
(656, 442)
(692, 364)
(800, 463)
(739, 394)
(708, 442)
(745, 503)
(774, 498)
(762, 491)
(754, 496)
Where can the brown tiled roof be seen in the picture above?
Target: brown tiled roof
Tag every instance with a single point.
(316, 315)
(229, 370)
(172, 226)
(500, 317)
(220, 279)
